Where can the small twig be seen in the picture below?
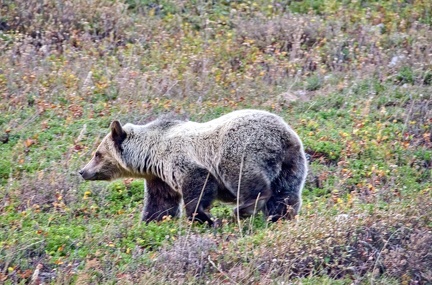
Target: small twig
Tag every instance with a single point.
(408, 115)
(171, 87)
(379, 255)
(88, 80)
(220, 271)
(35, 277)
(28, 121)
(255, 212)
(81, 134)
(200, 197)
(238, 196)
(196, 209)
(311, 105)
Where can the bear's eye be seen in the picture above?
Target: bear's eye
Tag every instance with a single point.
(98, 155)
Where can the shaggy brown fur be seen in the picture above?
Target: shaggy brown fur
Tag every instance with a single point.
(249, 156)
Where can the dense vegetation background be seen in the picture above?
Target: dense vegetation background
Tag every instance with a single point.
(352, 77)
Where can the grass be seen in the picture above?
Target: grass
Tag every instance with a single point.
(353, 78)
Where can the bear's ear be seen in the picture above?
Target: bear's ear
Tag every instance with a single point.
(117, 133)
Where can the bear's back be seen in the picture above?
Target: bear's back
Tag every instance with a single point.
(261, 134)
(247, 117)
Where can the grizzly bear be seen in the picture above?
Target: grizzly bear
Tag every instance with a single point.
(249, 157)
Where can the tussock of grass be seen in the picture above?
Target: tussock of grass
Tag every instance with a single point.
(357, 245)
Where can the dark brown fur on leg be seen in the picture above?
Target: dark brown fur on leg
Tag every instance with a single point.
(160, 200)
(285, 202)
(254, 193)
(197, 181)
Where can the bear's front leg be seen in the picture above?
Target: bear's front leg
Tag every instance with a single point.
(160, 200)
(199, 191)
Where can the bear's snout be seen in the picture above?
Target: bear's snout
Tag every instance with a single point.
(84, 174)
(89, 174)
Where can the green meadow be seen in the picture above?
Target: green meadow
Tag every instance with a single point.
(353, 78)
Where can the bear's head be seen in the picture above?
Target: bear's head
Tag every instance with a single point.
(107, 163)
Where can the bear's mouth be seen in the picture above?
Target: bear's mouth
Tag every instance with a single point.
(93, 176)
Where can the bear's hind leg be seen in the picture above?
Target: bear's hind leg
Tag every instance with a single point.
(286, 201)
(254, 192)
(160, 201)
(199, 190)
